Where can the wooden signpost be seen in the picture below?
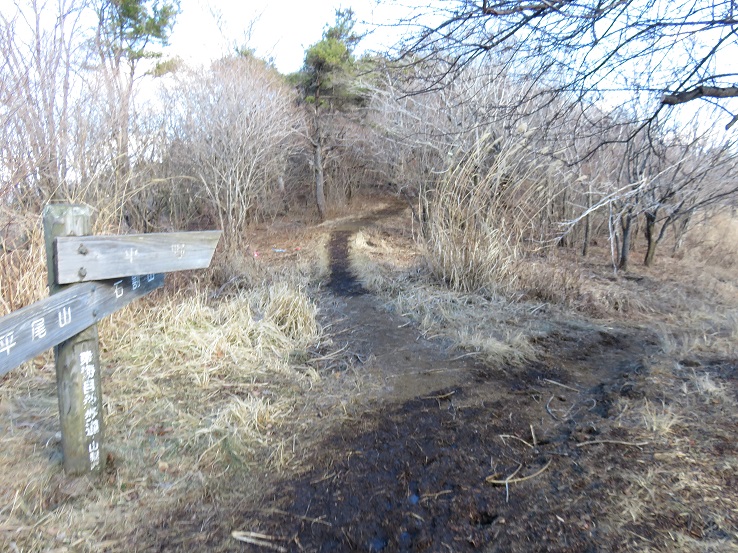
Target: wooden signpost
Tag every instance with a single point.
(110, 272)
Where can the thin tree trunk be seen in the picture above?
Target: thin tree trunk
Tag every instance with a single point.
(587, 222)
(564, 242)
(650, 239)
(679, 232)
(614, 243)
(626, 222)
(319, 176)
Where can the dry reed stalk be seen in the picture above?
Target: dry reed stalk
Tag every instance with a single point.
(485, 213)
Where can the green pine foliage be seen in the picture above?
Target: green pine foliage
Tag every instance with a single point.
(330, 65)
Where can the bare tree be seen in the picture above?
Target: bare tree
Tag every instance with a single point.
(232, 128)
(127, 31)
(41, 48)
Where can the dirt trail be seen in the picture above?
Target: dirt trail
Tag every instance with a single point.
(412, 473)
(390, 347)
(441, 453)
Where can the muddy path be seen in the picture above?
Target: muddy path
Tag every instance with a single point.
(449, 454)
(456, 456)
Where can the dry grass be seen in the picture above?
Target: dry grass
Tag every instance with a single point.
(197, 383)
(712, 241)
(688, 484)
(193, 388)
(22, 262)
(486, 214)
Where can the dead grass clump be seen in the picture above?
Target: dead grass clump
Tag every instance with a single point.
(245, 431)
(700, 331)
(683, 496)
(485, 213)
(660, 420)
(707, 389)
(195, 389)
(199, 339)
(550, 282)
(513, 348)
(487, 227)
(22, 262)
(712, 241)
(291, 312)
(468, 242)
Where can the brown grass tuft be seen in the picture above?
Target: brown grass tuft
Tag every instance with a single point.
(22, 261)
(486, 213)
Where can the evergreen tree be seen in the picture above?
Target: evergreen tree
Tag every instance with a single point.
(327, 84)
(127, 31)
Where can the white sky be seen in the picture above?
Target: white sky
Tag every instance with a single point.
(282, 29)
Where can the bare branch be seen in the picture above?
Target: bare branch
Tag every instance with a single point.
(672, 99)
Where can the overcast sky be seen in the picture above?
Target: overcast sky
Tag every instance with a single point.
(207, 29)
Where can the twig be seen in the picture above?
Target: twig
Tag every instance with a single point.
(511, 480)
(435, 495)
(254, 538)
(503, 436)
(548, 409)
(616, 442)
(443, 396)
(566, 415)
(560, 384)
(638, 536)
(533, 433)
(465, 355)
(301, 517)
(325, 477)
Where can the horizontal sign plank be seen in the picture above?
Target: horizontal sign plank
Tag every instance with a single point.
(88, 258)
(34, 329)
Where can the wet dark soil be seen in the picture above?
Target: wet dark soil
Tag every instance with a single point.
(429, 473)
(342, 282)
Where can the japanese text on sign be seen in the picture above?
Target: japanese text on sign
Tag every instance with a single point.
(90, 405)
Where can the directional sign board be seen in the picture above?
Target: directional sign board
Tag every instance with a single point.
(87, 258)
(34, 329)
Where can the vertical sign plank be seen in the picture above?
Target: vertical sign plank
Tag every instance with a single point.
(77, 360)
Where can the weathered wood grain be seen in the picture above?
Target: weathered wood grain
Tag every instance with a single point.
(34, 329)
(88, 258)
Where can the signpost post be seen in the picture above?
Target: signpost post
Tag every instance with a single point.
(78, 382)
(111, 272)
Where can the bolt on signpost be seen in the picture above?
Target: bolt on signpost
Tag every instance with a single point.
(90, 277)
